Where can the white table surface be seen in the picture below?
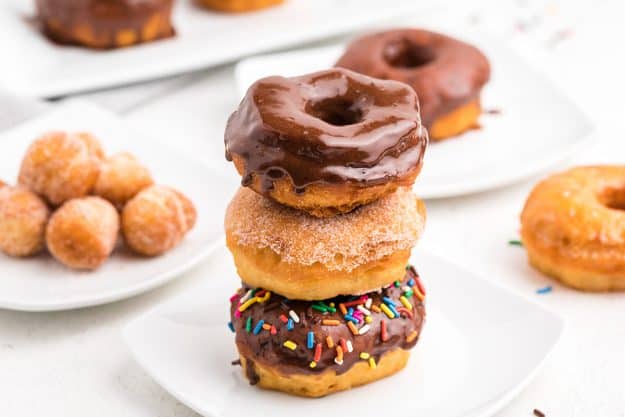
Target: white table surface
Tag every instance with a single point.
(75, 363)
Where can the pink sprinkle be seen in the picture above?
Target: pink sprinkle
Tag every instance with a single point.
(358, 315)
(235, 296)
(237, 313)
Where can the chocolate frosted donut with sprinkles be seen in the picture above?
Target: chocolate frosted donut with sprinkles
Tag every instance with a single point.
(326, 142)
(314, 348)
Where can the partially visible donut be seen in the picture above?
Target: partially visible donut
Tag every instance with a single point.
(121, 178)
(326, 142)
(573, 227)
(308, 258)
(446, 73)
(104, 24)
(238, 6)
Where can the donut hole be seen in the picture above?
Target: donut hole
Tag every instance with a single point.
(335, 111)
(405, 54)
(613, 198)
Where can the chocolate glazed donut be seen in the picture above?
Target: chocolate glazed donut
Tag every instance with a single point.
(446, 73)
(326, 142)
(104, 24)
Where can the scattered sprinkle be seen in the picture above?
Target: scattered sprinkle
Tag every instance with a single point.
(310, 341)
(313, 364)
(514, 242)
(318, 349)
(405, 302)
(273, 330)
(394, 310)
(343, 309)
(294, 316)
(368, 302)
(258, 327)
(248, 324)
(412, 336)
(372, 363)
(352, 328)
(544, 290)
(364, 329)
(364, 356)
(339, 356)
(351, 319)
(350, 347)
(231, 326)
(364, 310)
(405, 311)
(538, 413)
(375, 308)
(343, 345)
(283, 319)
(246, 304)
(330, 322)
(330, 342)
(387, 311)
(289, 325)
(368, 319)
(383, 331)
(397, 284)
(289, 344)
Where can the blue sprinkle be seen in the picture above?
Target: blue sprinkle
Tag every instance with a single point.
(258, 327)
(388, 302)
(289, 325)
(350, 311)
(544, 290)
(394, 310)
(231, 326)
(411, 282)
(311, 340)
(351, 318)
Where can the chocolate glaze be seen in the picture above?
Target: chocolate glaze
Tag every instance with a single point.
(445, 72)
(268, 349)
(61, 19)
(328, 127)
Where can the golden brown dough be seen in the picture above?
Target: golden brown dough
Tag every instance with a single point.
(121, 178)
(156, 220)
(238, 6)
(60, 166)
(573, 227)
(310, 258)
(82, 233)
(23, 218)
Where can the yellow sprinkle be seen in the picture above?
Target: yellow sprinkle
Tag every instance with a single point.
(313, 364)
(375, 308)
(405, 302)
(418, 293)
(247, 304)
(372, 363)
(387, 311)
(289, 344)
(265, 297)
(412, 336)
(330, 342)
(332, 305)
(364, 356)
(368, 319)
(352, 327)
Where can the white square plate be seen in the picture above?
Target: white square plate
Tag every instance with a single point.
(42, 284)
(36, 67)
(538, 126)
(480, 346)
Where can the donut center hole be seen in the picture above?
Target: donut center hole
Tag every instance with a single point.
(613, 198)
(335, 111)
(405, 54)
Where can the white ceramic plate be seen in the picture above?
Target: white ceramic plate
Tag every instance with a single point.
(481, 344)
(537, 128)
(34, 66)
(42, 284)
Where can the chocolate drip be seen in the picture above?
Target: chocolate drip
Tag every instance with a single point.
(328, 127)
(268, 349)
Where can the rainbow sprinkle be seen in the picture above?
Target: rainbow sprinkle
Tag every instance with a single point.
(318, 349)
(412, 336)
(310, 341)
(329, 322)
(364, 356)
(248, 324)
(387, 311)
(258, 327)
(313, 364)
(289, 325)
(231, 326)
(372, 364)
(294, 316)
(289, 344)
(330, 342)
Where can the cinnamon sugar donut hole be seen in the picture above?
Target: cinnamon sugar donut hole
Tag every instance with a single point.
(157, 219)
(309, 258)
(121, 178)
(60, 166)
(23, 219)
(82, 233)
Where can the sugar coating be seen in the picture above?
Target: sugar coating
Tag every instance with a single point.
(342, 242)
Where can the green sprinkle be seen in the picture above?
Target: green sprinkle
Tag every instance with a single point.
(397, 284)
(248, 325)
(408, 293)
(515, 242)
(327, 307)
(319, 308)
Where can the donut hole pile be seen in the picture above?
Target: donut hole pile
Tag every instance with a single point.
(402, 53)
(74, 200)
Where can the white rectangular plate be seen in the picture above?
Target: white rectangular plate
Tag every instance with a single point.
(537, 127)
(36, 67)
(42, 284)
(480, 346)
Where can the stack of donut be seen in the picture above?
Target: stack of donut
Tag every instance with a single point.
(322, 229)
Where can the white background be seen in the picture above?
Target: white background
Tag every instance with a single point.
(75, 363)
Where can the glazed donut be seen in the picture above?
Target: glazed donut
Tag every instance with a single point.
(104, 24)
(238, 6)
(308, 258)
(316, 348)
(573, 227)
(60, 166)
(23, 219)
(121, 178)
(446, 73)
(326, 142)
(156, 220)
(82, 233)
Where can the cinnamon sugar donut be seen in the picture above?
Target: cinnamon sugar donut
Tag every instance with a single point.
(326, 142)
(573, 227)
(60, 166)
(238, 6)
(446, 73)
(83, 232)
(121, 178)
(316, 348)
(104, 24)
(23, 219)
(308, 258)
